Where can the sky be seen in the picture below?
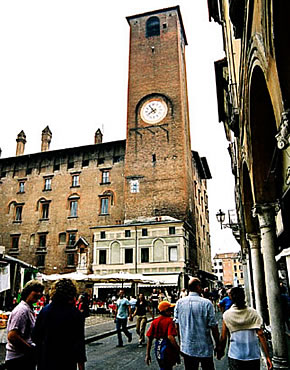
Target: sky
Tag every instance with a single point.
(64, 63)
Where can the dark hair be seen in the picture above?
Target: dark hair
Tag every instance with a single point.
(237, 295)
(193, 284)
(31, 286)
(63, 291)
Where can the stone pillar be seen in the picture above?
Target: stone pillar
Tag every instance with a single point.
(250, 277)
(258, 275)
(246, 272)
(266, 217)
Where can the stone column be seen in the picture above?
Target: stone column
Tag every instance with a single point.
(266, 217)
(258, 274)
(247, 281)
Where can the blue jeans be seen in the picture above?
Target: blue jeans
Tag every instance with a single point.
(121, 325)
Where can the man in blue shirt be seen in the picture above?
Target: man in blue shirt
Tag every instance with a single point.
(225, 303)
(122, 313)
(195, 320)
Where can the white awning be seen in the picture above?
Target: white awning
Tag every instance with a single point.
(162, 280)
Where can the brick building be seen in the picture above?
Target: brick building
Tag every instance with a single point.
(137, 205)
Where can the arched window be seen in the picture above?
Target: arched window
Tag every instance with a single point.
(153, 27)
(158, 250)
(115, 252)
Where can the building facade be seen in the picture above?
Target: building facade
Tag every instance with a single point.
(137, 205)
(228, 269)
(253, 101)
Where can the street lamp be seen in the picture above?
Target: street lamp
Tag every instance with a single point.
(220, 216)
(233, 224)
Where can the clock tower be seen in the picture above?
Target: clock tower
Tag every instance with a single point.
(158, 167)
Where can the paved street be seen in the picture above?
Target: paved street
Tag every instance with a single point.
(103, 354)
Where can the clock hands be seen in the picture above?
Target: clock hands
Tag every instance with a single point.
(153, 110)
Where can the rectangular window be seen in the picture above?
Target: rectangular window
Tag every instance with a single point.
(103, 235)
(104, 206)
(47, 184)
(70, 259)
(18, 213)
(102, 257)
(75, 180)
(42, 240)
(62, 238)
(129, 255)
(173, 254)
(40, 260)
(28, 171)
(45, 210)
(71, 239)
(21, 186)
(134, 186)
(235, 268)
(101, 161)
(144, 255)
(15, 241)
(73, 208)
(127, 233)
(105, 177)
(171, 230)
(144, 232)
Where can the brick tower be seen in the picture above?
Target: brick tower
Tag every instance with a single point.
(158, 167)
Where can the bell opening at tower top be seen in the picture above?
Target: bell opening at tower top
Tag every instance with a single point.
(153, 27)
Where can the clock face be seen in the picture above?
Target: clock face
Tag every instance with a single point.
(153, 111)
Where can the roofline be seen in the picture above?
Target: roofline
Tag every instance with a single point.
(143, 223)
(177, 8)
(53, 152)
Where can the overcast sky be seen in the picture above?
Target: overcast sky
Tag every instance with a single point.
(64, 63)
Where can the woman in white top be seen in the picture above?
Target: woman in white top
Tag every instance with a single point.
(244, 326)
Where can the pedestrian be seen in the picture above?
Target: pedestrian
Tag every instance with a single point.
(154, 301)
(59, 330)
(183, 293)
(163, 330)
(133, 302)
(20, 349)
(123, 311)
(225, 303)
(142, 306)
(195, 320)
(243, 324)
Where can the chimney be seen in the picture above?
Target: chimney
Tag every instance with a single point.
(45, 139)
(21, 140)
(98, 137)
